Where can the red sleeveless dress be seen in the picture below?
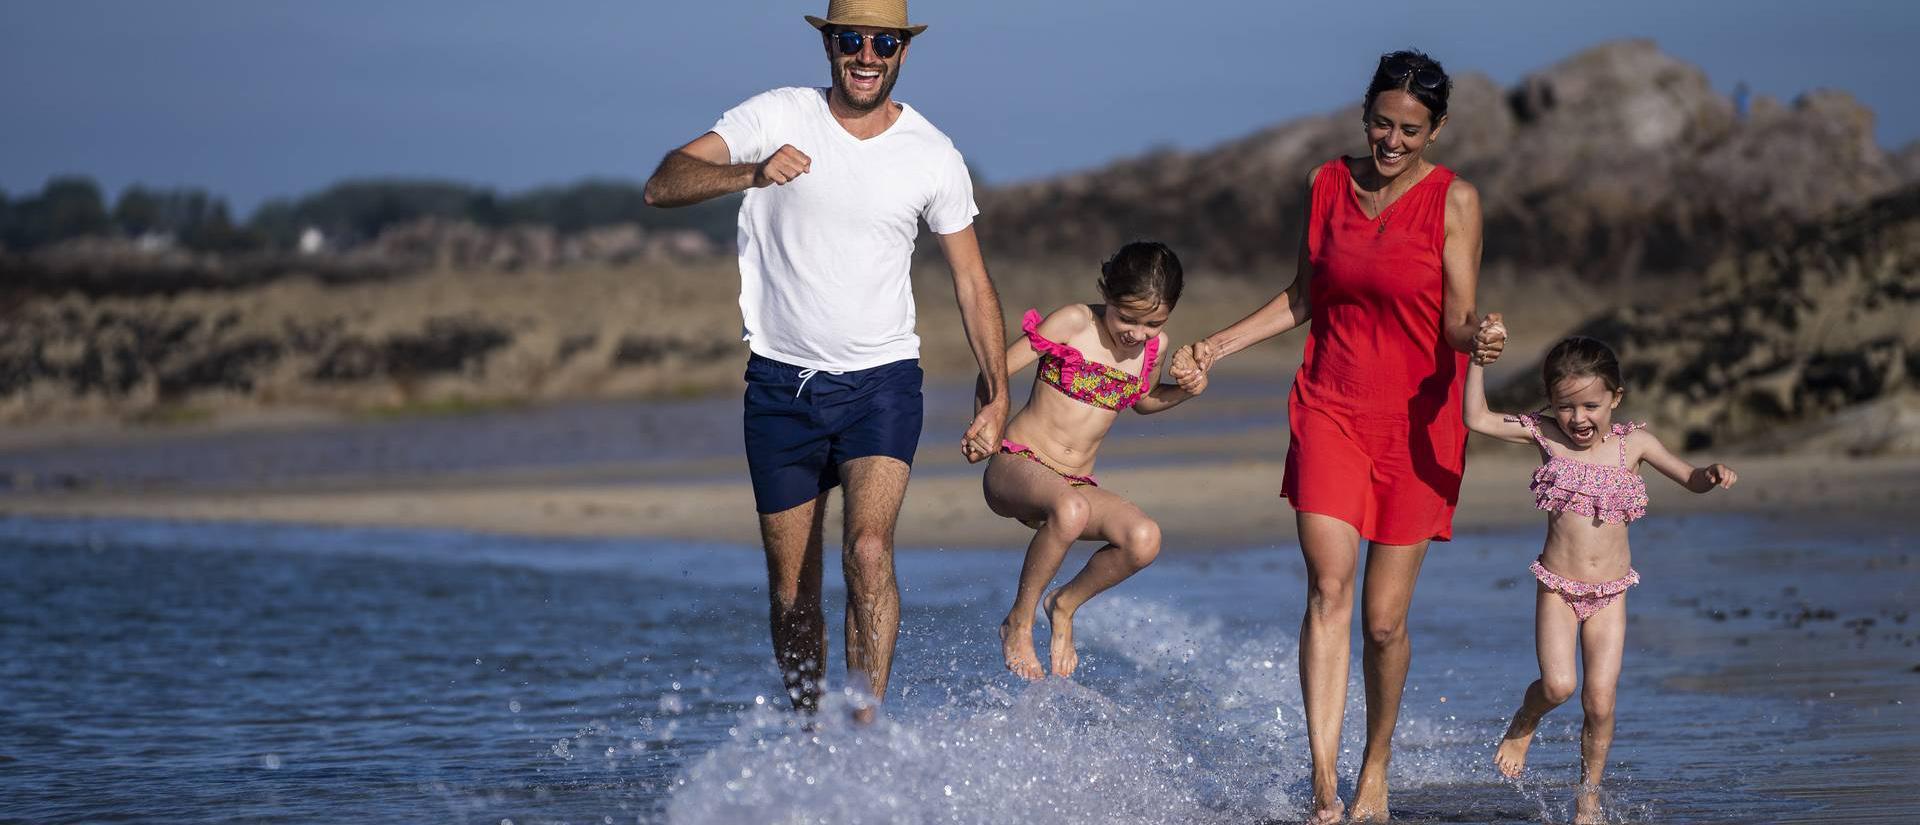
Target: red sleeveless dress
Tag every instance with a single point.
(1374, 414)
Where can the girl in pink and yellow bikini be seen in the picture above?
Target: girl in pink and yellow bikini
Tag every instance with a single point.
(1095, 361)
(1590, 488)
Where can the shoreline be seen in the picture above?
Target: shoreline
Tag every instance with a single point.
(1203, 491)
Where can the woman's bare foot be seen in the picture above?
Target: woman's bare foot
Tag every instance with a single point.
(1511, 758)
(1065, 658)
(1328, 811)
(1016, 644)
(1370, 798)
(1586, 807)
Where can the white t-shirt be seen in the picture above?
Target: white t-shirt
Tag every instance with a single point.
(825, 259)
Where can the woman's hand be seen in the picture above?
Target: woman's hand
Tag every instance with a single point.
(1490, 340)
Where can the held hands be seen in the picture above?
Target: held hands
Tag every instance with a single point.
(1490, 340)
(781, 167)
(1191, 363)
(1721, 475)
(983, 436)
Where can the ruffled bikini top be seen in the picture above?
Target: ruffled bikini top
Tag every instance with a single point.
(1613, 494)
(1065, 369)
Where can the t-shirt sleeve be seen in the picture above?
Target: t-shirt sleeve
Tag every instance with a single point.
(748, 128)
(952, 208)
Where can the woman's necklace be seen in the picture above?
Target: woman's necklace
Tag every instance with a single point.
(1380, 214)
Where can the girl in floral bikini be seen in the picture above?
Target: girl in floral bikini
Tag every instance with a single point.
(1095, 360)
(1590, 489)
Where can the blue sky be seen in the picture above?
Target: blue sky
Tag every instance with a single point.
(257, 98)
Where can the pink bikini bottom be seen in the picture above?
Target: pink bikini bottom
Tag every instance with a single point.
(1586, 598)
(1019, 449)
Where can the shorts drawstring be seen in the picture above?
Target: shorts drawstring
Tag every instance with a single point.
(807, 375)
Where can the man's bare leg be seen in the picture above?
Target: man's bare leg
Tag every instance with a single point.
(793, 544)
(875, 486)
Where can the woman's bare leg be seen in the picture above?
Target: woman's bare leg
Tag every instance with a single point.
(1392, 571)
(1331, 548)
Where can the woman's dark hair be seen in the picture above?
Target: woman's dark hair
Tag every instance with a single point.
(1581, 357)
(1415, 73)
(1142, 271)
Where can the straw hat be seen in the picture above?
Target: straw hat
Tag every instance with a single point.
(880, 14)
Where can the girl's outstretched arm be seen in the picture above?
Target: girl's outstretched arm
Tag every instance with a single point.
(1165, 397)
(1695, 479)
(1473, 408)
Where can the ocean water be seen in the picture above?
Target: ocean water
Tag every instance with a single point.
(244, 673)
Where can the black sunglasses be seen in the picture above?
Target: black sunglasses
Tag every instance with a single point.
(884, 44)
(1423, 76)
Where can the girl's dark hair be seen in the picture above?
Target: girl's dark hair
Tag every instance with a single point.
(1581, 357)
(1415, 73)
(1142, 271)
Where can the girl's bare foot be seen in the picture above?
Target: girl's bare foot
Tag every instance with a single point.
(1016, 644)
(1586, 807)
(1065, 658)
(1511, 758)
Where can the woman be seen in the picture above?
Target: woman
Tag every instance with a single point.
(1387, 270)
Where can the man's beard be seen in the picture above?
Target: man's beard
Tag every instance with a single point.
(843, 72)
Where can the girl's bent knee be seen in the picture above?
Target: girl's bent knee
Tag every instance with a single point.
(1141, 542)
(1069, 514)
(1556, 691)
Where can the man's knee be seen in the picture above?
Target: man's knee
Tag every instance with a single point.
(869, 553)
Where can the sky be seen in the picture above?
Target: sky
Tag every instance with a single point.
(254, 99)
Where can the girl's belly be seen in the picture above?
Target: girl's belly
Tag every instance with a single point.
(1583, 551)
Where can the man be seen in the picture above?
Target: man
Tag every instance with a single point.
(837, 180)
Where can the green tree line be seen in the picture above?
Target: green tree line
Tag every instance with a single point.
(348, 213)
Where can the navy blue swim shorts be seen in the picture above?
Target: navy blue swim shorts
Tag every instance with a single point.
(802, 424)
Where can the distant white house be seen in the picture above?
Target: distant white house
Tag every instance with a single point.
(153, 242)
(312, 241)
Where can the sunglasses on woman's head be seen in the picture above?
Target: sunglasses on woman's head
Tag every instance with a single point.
(1423, 76)
(884, 44)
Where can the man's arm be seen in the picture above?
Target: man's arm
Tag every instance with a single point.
(700, 171)
(986, 335)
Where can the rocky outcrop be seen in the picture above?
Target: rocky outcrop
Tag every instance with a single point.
(427, 339)
(1818, 327)
(1621, 159)
(118, 266)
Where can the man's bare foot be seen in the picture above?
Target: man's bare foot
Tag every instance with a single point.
(1511, 758)
(1586, 807)
(1370, 798)
(1016, 644)
(1065, 658)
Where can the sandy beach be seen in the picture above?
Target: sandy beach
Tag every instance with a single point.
(1208, 490)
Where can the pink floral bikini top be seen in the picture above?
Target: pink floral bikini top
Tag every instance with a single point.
(1615, 495)
(1065, 369)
